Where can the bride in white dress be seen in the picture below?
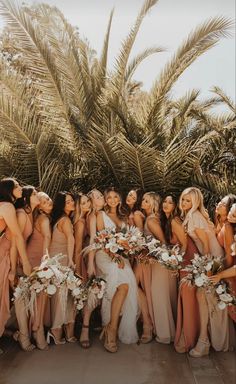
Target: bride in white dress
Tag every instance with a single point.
(121, 297)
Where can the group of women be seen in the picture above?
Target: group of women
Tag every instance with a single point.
(163, 302)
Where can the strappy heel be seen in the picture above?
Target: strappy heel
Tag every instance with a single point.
(86, 342)
(24, 341)
(56, 341)
(109, 345)
(147, 336)
(201, 349)
(71, 339)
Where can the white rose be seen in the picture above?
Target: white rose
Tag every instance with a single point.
(48, 274)
(209, 266)
(165, 256)
(114, 248)
(219, 289)
(80, 305)
(226, 298)
(199, 281)
(41, 274)
(100, 295)
(180, 258)
(76, 292)
(51, 289)
(221, 305)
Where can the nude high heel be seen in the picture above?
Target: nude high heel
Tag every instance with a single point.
(24, 341)
(40, 340)
(147, 335)
(201, 349)
(67, 329)
(56, 341)
(109, 344)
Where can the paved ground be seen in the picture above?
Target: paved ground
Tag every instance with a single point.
(137, 364)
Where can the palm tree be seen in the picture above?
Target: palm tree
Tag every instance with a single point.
(69, 121)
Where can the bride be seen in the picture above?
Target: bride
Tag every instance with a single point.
(121, 297)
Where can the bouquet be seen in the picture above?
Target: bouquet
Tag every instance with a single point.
(169, 257)
(48, 277)
(127, 242)
(201, 268)
(224, 296)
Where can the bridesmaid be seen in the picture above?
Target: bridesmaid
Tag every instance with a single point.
(121, 289)
(164, 282)
(25, 207)
(226, 215)
(187, 324)
(81, 231)
(201, 230)
(10, 191)
(132, 205)
(82, 238)
(143, 273)
(37, 247)
(63, 311)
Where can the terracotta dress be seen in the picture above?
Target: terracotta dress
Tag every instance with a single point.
(35, 254)
(232, 280)
(218, 325)
(143, 274)
(62, 304)
(164, 300)
(5, 246)
(114, 277)
(188, 322)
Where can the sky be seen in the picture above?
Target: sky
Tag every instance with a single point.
(167, 25)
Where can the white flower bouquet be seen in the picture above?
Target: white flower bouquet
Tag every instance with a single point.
(224, 296)
(126, 242)
(170, 257)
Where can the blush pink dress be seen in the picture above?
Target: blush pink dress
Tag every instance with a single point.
(41, 314)
(164, 301)
(62, 304)
(188, 322)
(5, 245)
(143, 274)
(218, 325)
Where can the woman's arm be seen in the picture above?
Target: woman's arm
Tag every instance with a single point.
(100, 221)
(155, 228)
(230, 272)
(67, 229)
(9, 216)
(138, 220)
(79, 235)
(178, 230)
(228, 241)
(45, 230)
(201, 234)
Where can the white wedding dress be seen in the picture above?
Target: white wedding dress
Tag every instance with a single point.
(114, 277)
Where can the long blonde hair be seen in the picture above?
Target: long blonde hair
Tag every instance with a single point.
(197, 205)
(77, 212)
(155, 202)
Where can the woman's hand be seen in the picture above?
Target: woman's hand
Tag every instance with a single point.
(71, 264)
(27, 269)
(91, 271)
(215, 278)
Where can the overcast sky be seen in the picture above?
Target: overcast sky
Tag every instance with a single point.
(167, 24)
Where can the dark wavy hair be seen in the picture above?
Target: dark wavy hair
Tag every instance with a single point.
(166, 221)
(59, 204)
(137, 205)
(7, 185)
(121, 212)
(24, 201)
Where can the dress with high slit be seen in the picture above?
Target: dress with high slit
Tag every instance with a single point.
(114, 277)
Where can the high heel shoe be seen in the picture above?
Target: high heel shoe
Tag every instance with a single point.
(109, 344)
(56, 341)
(86, 342)
(24, 341)
(201, 349)
(71, 339)
(147, 335)
(40, 340)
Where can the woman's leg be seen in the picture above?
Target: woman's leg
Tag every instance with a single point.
(23, 335)
(110, 330)
(147, 322)
(202, 346)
